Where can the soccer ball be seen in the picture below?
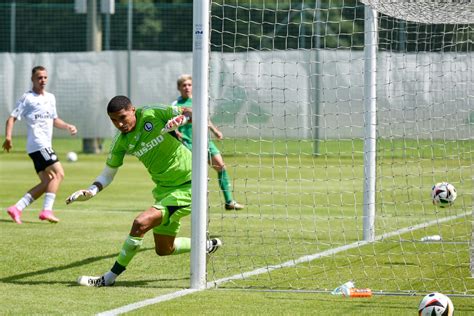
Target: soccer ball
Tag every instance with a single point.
(71, 156)
(443, 194)
(436, 304)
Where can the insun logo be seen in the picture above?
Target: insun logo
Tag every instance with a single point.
(146, 147)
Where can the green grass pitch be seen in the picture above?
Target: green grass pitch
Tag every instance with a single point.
(41, 261)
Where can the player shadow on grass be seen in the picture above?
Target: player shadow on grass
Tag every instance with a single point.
(158, 283)
(32, 222)
(16, 278)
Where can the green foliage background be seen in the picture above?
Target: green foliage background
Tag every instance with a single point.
(53, 26)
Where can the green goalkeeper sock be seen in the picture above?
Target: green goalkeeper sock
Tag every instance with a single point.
(181, 245)
(224, 183)
(129, 249)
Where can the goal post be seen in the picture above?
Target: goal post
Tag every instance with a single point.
(200, 144)
(389, 100)
(370, 121)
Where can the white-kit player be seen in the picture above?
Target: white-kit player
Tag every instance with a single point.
(38, 108)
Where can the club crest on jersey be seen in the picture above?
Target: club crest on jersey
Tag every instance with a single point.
(148, 126)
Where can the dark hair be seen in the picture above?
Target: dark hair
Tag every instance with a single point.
(37, 68)
(118, 103)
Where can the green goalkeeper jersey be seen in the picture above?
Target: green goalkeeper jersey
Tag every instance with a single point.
(186, 130)
(167, 160)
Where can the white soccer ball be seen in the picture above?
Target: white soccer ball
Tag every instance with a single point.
(436, 304)
(71, 156)
(443, 194)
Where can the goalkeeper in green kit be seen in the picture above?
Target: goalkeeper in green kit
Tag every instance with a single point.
(147, 134)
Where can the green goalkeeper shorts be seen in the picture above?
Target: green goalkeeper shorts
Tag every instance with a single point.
(174, 203)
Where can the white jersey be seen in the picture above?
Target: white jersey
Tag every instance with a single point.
(39, 112)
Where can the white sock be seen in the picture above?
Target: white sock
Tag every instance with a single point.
(26, 200)
(109, 278)
(49, 201)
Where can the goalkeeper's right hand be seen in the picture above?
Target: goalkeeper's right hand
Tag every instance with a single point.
(81, 195)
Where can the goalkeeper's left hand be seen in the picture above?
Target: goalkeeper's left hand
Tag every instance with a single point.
(81, 195)
(174, 123)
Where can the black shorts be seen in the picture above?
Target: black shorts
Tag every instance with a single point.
(43, 158)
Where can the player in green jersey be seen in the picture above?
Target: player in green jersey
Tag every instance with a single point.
(185, 133)
(168, 162)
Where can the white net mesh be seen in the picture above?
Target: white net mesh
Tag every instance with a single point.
(287, 89)
(427, 11)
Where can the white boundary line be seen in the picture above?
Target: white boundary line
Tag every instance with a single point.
(151, 301)
(290, 263)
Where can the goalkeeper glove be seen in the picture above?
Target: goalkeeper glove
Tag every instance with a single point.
(174, 123)
(83, 195)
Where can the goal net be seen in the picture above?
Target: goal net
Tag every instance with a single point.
(286, 87)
